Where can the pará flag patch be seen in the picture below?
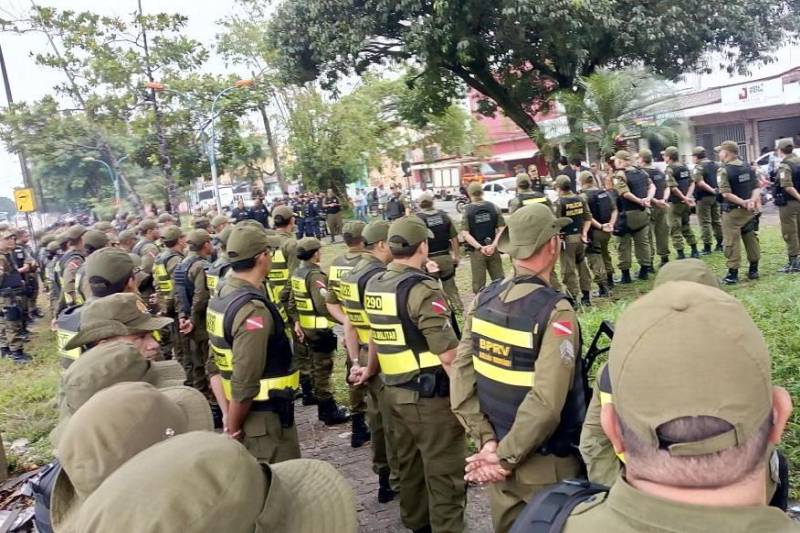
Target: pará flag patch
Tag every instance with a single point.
(254, 323)
(321, 284)
(73, 265)
(439, 306)
(563, 328)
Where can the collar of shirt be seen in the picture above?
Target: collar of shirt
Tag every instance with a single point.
(237, 283)
(397, 267)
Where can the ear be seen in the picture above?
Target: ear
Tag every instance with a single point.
(610, 423)
(781, 411)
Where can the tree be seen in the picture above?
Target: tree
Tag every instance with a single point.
(517, 53)
(8, 205)
(611, 103)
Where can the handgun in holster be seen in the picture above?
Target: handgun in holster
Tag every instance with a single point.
(283, 400)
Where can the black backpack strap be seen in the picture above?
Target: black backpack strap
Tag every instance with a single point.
(548, 511)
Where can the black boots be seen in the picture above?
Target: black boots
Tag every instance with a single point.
(664, 260)
(680, 253)
(603, 291)
(626, 277)
(4, 353)
(643, 272)
(718, 247)
(216, 415)
(610, 280)
(732, 278)
(426, 529)
(360, 434)
(706, 249)
(695, 253)
(307, 388)
(20, 357)
(752, 273)
(586, 299)
(331, 414)
(385, 491)
(790, 267)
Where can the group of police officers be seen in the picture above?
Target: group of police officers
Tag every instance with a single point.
(251, 318)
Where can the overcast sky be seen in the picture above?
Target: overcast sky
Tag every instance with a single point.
(29, 82)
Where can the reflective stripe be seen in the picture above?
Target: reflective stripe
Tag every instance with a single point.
(314, 322)
(519, 378)
(214, 323)
(62, 338)
(405, 362)
(606, 398)
(381, 303)
(388, 335)
(529, 201)
(292, 381)
(523, 339)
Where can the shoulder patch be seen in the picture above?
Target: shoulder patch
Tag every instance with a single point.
(590, 503)
(73, 265)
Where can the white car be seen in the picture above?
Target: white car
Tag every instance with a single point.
(501, 192)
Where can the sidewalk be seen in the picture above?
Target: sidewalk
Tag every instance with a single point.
(332, 444)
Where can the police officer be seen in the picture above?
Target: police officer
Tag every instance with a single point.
(174, 242)
(741, 196)
(93, 241)
(411, 327)
(706, 189)
(681, 198)
(685, 427)
(480, 228)
(333, 214)
(603, 211)
(635, 192)
(219, 223)
(259, 212)
(240, 212)
(127, 240)
(220, 268)
(659, 210)
(12, 288)
(526, 193)
(537, 181)
(67, 267)
(191, 298)
(373, 261)
(253, 378)
(311, 213)
(340, 267)
(519, 328)
(396, 206)
(789, 185)
(576, 235)
(146, 246)
(313, 327)
(23, 255)
(443, 248)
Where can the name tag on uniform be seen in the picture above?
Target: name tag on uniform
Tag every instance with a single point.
(435, 220)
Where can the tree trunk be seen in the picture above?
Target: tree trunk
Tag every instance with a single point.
(163, 149)
(273, 148)
(133, 196)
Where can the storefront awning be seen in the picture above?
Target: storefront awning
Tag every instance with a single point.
(514, 156)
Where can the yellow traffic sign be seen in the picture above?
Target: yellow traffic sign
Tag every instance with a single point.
(24, 200)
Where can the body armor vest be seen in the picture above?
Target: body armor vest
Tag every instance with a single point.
(279, 379)
(600, 204)
(439, 224)
(352, 295)
(709, 176)
(532, 197)
(137, 248)
(184, 287)
(482, 221)
(215, 277)
(308, 315)
(278, 274)
(67, 325)
(637, 184)
(572, 207)
(659, 180)
(161, 273)
(741, 180)
(403, 351)
(339, 269)
(394, 208)
(683, 178)
(506, 339)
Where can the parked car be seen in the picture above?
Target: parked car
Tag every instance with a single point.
(500, 192)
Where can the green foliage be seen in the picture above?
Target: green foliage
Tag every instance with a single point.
(516, 53)
(8, 205)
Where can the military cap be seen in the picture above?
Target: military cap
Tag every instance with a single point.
(130, 218)
(699, 151)
(219, 220)
(230, 491)
(250, 222)
(622, 155)
(147, 225)
(670, 151)
(246, 242)
(646, 154)
(281, 214)
(4, 226)
(46, 239)
(198, 237)
(475, 189)
(687, 270)
(171, 234)
(353, 229)
(7, 234)
(307, 245)
(201, 223)
(728, 146)
(528, 229)
(95, 239)
(425, 200)
(563, 181)
(108, 266)
(109, 429)
(52, 246)
(103, 225)
(61, 238)
(783, 144)
(75, 232)
(585, 176)
(165, 218)
(112, 316)
(376, 231)
(523, 181)
(224, 235)
(719, 366)
(127, 235)
(407, 231)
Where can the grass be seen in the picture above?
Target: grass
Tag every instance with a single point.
(27, 405)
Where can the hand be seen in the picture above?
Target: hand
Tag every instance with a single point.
(355, 372)
(688, 201)
(299, 332)
(585, 239)
(608, 227)
(646, 202)
(489, 250)
(235, 435)
(53, 326)
(364, 375)
(185, 326)
(484, 466)
(750, 205)
(431, 267)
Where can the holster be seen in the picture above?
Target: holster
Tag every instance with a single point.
(283, 401)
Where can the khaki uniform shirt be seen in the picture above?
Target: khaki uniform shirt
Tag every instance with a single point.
(697, 171)
(785, 172)
(249, 343)
(289, 248)
(628, 510)
(722, 176)
(540, 412)
(197, 276)
(68, 276)
(602, 464)
(148, 253)
(621, 182)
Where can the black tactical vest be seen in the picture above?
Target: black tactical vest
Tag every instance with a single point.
(600, 204)
(532, 197)
(572, 207)
(638, 183)
(795, 168)
(683, 178)
(394, 208)
(439, 224)
(709, 169)
(659, 180)
(352, 289)
(161, 272)
(482, 221)
(215, 277)
(184, 287)
(741, 180)
(506, 339)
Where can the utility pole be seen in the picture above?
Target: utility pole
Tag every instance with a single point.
(26, 173)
